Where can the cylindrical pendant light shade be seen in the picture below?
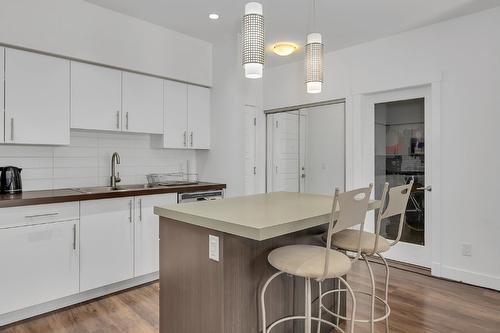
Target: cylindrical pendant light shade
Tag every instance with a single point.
(314, 63)
(253, 40)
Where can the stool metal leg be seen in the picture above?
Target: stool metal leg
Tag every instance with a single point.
(386, 290)
(372, 311)
(262, 300)
(308, 305)
(320, 305)
(353, 298)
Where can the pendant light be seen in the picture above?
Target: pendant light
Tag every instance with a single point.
(314, 58)
(253, 40)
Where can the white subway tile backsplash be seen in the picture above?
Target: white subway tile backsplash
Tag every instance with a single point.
(87, 160)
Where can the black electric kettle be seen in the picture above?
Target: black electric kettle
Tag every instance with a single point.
(10, 180)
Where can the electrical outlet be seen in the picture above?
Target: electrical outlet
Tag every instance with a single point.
(467, 250)
(213, 247)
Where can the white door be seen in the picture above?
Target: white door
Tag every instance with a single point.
(106, 242)
(199, 117)
(142, 104)
(285, 154)
(2, 111)
(147, 232)
(398, 148)
(37, 98)
(96, 93)
(250, 150)
(325, 149)
(39, 263)
(175, 115)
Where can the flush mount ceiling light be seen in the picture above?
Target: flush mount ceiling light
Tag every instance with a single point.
(213, 16)
(284, 49)
(253, 40)
(314, 59)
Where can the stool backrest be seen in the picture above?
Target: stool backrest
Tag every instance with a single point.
(398, 200)
(348, 210)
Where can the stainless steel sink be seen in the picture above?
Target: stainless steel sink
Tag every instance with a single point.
(105, 189)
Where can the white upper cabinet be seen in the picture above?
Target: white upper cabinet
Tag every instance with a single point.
(175, 123)
(96, 94)
(199, 117)
(37, 98)
(142, 104)
(2, 76)
(187, 116)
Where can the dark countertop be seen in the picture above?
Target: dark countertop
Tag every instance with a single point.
(66, 195)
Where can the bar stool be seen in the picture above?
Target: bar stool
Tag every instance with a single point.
(320, 263)
(373, 244)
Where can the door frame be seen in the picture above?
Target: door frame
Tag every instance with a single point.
(360, 162)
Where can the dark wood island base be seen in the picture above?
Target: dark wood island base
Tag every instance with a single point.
(200, 295)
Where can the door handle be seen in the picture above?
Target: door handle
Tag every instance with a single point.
(140, 210)
(117, 119)
(12, 129)
(185, 138)
(130, 211)
(428, 188)
(191, 139)
(74, 236)
(126, 120)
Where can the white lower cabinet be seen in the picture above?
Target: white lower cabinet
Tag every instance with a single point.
(38, 255)
(106, 242)
(146, 248)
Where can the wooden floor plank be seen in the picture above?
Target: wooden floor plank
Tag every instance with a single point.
(420, 304)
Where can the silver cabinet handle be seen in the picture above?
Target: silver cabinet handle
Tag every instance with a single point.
(74, 236)
(117, 119)
(140, 210)
(130, 211)
(40, 215)
(185, 138)
(191, 138)
(12, 129)
(126, 119)
(427, 188)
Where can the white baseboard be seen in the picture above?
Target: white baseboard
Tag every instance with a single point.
(474, 278)
(39, 309)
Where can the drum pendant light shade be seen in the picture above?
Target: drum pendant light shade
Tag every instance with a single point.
(314, 63)
(253, 40)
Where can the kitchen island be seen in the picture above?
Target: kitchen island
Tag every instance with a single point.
(213, 259)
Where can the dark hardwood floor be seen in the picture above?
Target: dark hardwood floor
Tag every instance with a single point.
(420, 304)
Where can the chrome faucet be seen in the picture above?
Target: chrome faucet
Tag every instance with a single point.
(115, 177)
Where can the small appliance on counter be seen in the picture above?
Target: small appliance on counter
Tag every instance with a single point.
(10, 180)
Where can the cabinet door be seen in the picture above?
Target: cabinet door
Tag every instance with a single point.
(95, 97)
(175, 115)
(199, 117)
(39, 263)
(147, 232)
(142, 104)
(37, 98)
(2, 111)
(106, 242)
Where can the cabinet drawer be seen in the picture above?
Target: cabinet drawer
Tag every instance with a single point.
(30, 215)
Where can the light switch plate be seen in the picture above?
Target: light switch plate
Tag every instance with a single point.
(213, 247)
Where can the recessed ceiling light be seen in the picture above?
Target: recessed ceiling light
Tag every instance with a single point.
(213, 16)
(284, 48)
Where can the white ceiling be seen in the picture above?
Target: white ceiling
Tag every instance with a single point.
(343, 23)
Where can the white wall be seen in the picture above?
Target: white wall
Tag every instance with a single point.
(465, 53)
(225, 161)
(78, 29)
(87, 161)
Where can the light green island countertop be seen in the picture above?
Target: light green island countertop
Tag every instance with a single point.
(258, 217)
